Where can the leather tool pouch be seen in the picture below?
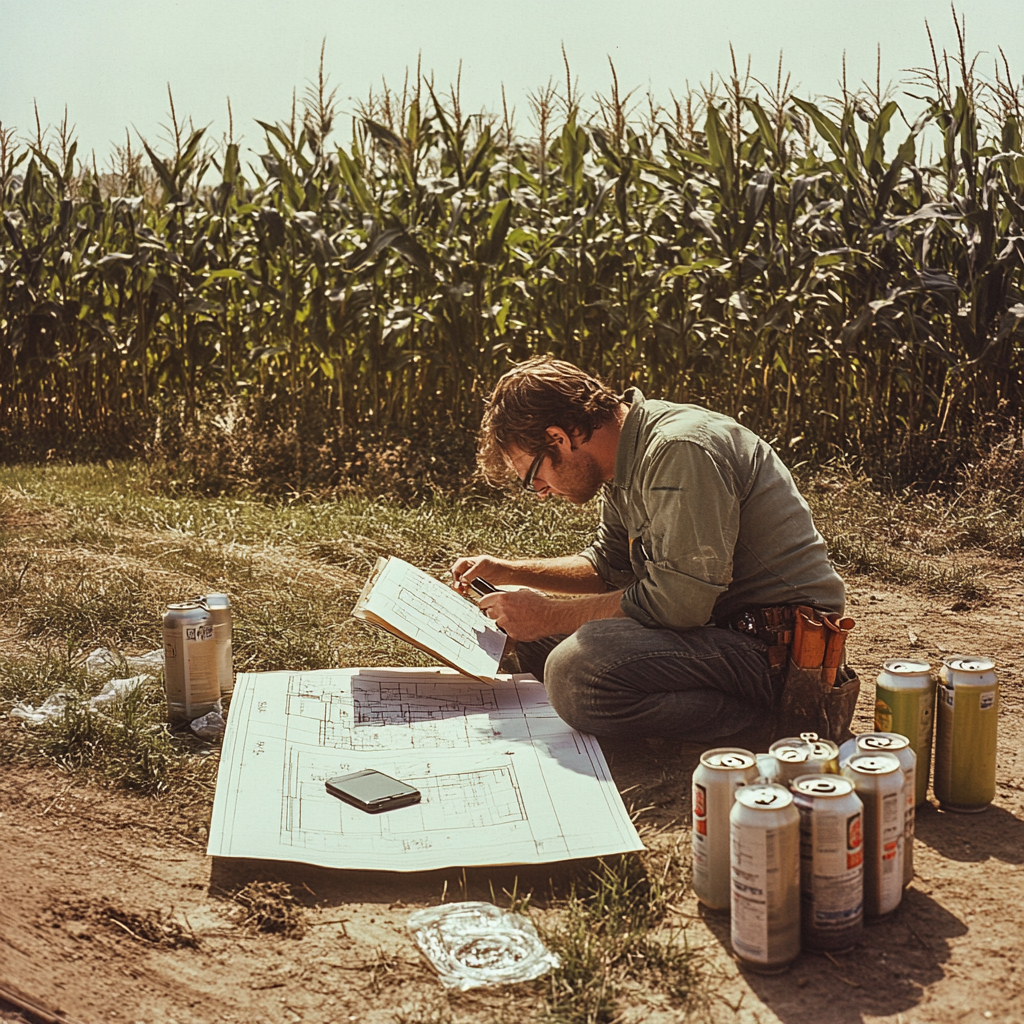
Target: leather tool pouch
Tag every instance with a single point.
(840, 704)
(805, 707)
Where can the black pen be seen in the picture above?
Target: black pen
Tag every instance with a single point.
(482, 587)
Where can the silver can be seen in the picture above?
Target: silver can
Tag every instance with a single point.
(805, 754)
(966, 734)
(831, 862)
(720, 773)
(905, 705)
(219, 607)
(765, 877)
(878, 780)
(190, 662)
(894, 743)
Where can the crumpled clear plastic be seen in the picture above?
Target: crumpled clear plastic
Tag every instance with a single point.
(116, 688)
(104, 660)
(473, 944)
(210, 727)
(53, 706)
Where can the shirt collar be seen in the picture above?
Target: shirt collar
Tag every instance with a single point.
(629, 436)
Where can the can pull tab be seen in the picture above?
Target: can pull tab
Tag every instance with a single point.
(809, 737)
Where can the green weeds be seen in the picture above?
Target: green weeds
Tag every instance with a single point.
(124, 741)
(617, 942)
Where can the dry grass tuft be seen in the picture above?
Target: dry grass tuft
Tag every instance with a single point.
(272, 908)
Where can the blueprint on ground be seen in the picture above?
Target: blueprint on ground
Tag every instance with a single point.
(503, 779)
(424, 611)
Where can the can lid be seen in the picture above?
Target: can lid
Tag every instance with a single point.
(770, 797)
(791, 748)
(874, 764)
(183, 606)
(217, 601)
(728, 757)
(822, 785)
(906, 667)
(970, 665)
(882, 741)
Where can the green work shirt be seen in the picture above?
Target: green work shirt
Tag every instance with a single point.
(702, 520)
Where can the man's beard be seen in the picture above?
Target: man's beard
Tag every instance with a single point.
(581, 479)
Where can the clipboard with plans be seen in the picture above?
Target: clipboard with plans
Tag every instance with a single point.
(430, 615)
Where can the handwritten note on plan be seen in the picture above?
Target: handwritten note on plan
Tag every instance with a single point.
(430, 615)
(504, 779)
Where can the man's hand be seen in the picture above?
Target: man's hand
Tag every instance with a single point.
(527, 614)
(494, 570)
(523, 613)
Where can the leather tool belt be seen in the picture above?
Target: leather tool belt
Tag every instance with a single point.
(773, 626)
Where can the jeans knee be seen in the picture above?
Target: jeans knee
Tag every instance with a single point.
(568, 678)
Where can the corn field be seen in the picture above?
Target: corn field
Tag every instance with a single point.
(820, 271)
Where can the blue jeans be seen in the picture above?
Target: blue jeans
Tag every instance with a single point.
(615, 677)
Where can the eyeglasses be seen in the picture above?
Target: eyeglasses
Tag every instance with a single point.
(531, 473)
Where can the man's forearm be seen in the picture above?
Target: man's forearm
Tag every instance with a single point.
(568, 616)
(528, 614)
(570, 574)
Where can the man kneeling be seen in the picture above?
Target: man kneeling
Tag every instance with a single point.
(676, 612)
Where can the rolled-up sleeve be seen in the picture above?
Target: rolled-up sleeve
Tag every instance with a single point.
(692, 518)
(609, 554)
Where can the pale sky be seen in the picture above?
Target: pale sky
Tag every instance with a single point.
(110, 61)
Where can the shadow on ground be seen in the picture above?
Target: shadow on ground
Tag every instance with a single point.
(885, 974)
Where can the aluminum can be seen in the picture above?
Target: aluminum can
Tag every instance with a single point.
(190, 662)
(905, 704)
(219, 607)
(765, 877)
(803, 755)
(720, 773)
(878, 780)
(831, 862)
(893, 743)
(966, 734)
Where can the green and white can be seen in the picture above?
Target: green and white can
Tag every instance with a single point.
(966, 734)
(905, 704)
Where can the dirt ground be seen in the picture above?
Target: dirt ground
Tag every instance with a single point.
(111, 916)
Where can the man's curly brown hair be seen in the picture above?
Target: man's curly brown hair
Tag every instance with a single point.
(540, 393)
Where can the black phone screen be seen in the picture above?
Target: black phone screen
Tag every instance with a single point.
(372, 791)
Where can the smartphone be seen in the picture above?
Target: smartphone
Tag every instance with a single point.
(372, 791)
(481, 586)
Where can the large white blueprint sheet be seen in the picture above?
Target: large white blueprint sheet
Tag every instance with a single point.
(503, 779)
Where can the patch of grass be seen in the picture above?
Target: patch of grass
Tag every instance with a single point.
(616, 943)
(905, 539)
(156, 927)
(270, 907)
(125, 742)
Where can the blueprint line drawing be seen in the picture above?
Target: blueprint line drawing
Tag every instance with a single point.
(432, 616)
(503, 779)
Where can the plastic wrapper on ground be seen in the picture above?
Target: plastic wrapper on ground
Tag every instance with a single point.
(474, 944)
(210, 727)
(103, 660)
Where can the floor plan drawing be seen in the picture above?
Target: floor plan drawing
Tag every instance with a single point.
(428, 613)
(503, 779)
